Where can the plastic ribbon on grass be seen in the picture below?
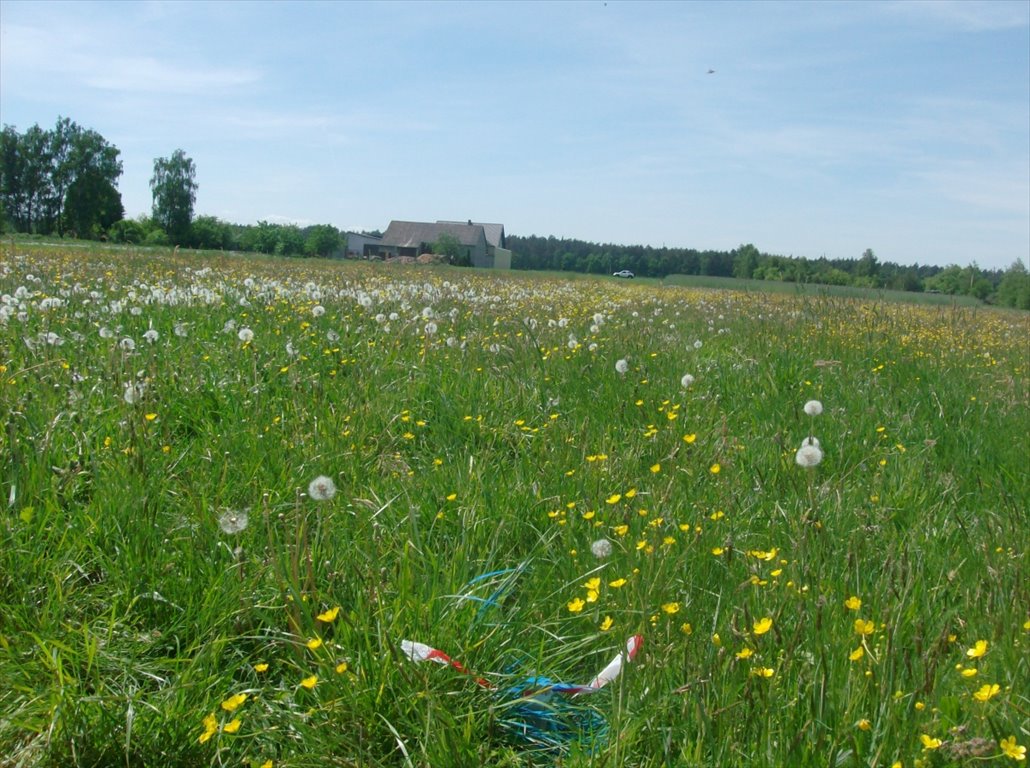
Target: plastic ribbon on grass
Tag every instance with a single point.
(539, 711)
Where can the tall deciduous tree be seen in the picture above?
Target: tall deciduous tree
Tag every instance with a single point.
(38, 170)
(322, 240)
(174, 187)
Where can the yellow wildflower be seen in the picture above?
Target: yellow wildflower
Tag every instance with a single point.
(987, 692)
(233, 703)
(978, 649)
(1011, 749)
(329, 615)
(762, 626)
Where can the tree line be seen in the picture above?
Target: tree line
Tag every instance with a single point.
(64, 181)
(1009, 287)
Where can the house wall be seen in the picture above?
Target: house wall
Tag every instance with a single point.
(479, 256)
(360, 246)
(502, 258)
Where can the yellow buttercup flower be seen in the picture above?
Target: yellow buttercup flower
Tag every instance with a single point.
(1010, 748)
(210, 728)
(671, 608)
(329, 615)
(314, 643)
(262, 667)
(929, 742)
(309, 682)
(233, 703)
(744, 653)
(853, 603)
(987, 692)
(607, 623)
(232, 726)
(864, 627)
(762, 626)
(857, 654)
(979, 649)
(575, 605)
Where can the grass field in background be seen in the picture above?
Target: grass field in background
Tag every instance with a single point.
(813, 289)
(528, 471)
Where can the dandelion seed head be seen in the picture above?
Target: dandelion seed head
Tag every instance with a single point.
(232, 522)
(686, 381)
(808, 456)
(321, 488)
(601, 548)
(245, 335)
(813, 408)
(621, 366)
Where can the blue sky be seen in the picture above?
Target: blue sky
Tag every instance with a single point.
(827, 127)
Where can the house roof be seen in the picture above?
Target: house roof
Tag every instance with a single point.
(494, 232)
(411, 234)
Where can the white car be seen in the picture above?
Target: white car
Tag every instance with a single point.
(622, 273)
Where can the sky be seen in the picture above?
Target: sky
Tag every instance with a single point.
(825, 129)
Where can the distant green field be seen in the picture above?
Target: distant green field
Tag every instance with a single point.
(811, 289)
(237, 492)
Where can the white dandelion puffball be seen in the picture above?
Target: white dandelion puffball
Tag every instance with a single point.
(150, 336)
(601, 548)
(808, 456)
(127, 344)
(813, 407)
(621, 366)
(245, 335)
(321, 488)
(431, 328)
(133, 392)
(686, 381)
(232, 521)
(318, 310)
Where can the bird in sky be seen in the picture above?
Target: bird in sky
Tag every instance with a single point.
(711, 71)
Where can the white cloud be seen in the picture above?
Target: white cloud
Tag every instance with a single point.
(74, 57)
(979, 16)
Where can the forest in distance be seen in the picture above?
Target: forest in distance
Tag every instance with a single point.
(63, 182)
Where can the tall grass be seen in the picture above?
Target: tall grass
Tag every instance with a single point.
(476, 423)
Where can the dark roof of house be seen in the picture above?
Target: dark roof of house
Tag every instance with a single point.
(411, 234)
(494, 232)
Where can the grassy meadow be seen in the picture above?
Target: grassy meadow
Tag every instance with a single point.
(527, 472)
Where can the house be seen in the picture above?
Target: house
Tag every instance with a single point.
(361, 246)
(412, 238)
(495, 243)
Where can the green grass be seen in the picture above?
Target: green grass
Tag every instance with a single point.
(813, 289)
(506, 439)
